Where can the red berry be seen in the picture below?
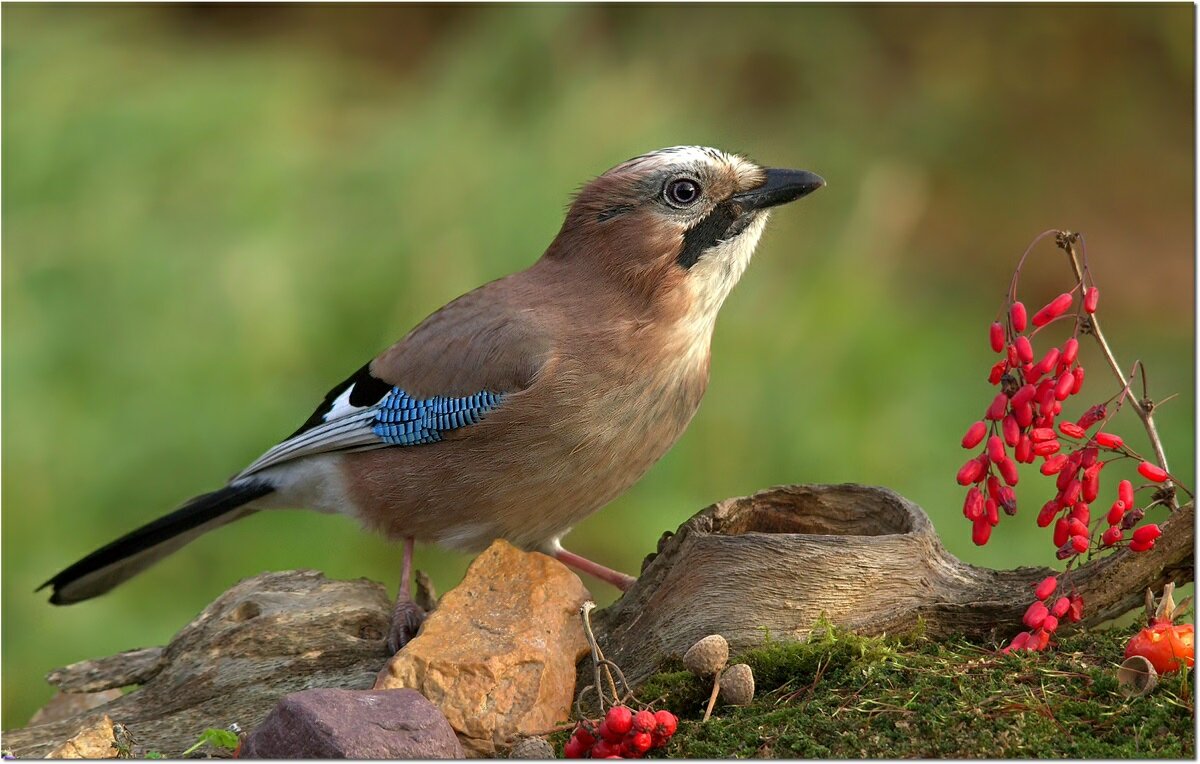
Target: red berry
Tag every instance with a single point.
(1048, 361)
(973, 505)
(1039, 434)
(1141, 546)
(603, 749)
(1116, 512)
(1050, 624)
(1024, 451)
(1081, 512)
(619, 720)
(1046, 587)
(1046, 447)
(1070, 351)
(1132, 517)
(608, 734)
(584, 735)
(981, 531)
(1047, 513)
(1072, 491)
(1062, 388)
(644, 721)
(1008, 471)
(997, 372)
(667, 723)
(1072, 430)
(1024, 414)
(1055, 308)
(1152, 472)
(971, 472)
(974, 435)
(1147, 533)
(1076, 611)
(1023, 396)
(1018, 642)
(991, 512)
(1078, 374)
(1080, 543)
(575, 749)
(1060, 532)
(1061, 605)
(1125, 493)
(1054, 464)
(640, 741)
(1011, 430)
(996, 336)
(1092, 415)
(1076, 528)
(1108, 440)
(1024, 349)
(1091, 298)
(1034, 616)
(1007, 499)
(1017, 314)
(995, 449)
(1111, 536)
(999, 405)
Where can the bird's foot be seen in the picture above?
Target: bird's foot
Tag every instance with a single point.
(407, 618)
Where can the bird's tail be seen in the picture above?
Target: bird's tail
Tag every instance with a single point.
(129, 555)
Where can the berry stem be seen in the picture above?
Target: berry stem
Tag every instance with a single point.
(1066, 241)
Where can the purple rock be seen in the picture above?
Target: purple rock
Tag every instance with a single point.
(353, 724)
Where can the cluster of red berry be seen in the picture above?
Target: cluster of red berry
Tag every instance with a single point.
(1022, 424)
(1043, 616)
(622, 734)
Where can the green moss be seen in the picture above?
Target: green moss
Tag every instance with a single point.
(840, 695)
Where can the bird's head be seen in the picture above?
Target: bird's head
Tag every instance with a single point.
(677, 226)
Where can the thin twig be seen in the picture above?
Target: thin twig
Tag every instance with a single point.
(1066, 241)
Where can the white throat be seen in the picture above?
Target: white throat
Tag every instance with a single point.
(717, 271)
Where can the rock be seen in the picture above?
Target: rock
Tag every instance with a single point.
(498, 655)
(64, 705)
(353, 724)
(94, 741)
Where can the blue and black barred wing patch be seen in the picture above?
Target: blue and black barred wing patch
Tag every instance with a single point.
(399, 419)
(406, 421)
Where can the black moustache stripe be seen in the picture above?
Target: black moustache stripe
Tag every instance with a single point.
(711, 229)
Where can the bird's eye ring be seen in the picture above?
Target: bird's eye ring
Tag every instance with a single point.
(682, 192)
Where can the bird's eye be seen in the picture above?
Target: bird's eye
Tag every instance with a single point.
(682, 192)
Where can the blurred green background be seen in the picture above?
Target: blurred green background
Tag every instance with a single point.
(212, 214)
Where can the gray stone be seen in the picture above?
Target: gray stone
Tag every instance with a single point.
(353, 724)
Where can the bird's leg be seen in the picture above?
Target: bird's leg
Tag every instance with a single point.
(584, 565)
(407, 615)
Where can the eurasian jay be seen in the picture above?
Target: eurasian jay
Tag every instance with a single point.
(522, 407)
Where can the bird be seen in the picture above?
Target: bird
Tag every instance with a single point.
(518, 409)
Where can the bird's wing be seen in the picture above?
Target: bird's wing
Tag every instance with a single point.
(448, 373)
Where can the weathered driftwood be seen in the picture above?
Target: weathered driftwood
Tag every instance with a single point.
(866, 558)
(266, 637)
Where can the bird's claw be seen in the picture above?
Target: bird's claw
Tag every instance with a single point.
(407, 618)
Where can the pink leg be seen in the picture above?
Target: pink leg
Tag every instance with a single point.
(407, 616)
(406, 567)
(584, 565)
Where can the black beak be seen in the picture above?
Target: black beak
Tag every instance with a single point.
(782, 186)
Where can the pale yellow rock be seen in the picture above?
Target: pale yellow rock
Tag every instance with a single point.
(498, 654)
(92, 742)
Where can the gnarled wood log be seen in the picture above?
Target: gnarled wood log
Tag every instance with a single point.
(866, 558)
(264, 638)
